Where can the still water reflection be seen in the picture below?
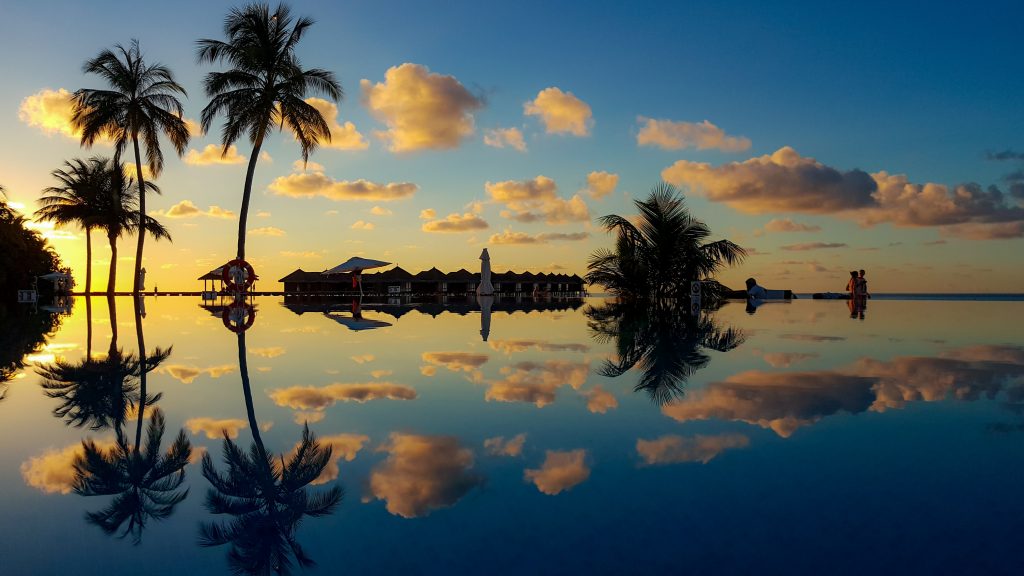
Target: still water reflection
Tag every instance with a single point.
(511, 437)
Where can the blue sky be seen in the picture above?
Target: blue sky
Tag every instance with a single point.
(920, 89)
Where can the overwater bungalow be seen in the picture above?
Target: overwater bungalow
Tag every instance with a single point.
(397, 281)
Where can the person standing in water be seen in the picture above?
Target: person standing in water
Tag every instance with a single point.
(862, 286)
(851, 286)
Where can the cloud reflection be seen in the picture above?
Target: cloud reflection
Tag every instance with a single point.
(561, 471)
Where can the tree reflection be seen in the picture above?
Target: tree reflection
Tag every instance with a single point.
(662, 339)
(24, 331)
(266, 496)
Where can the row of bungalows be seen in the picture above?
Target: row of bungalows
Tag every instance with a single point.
(433, 281)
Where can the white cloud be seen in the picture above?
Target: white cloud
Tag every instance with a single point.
(561, 112)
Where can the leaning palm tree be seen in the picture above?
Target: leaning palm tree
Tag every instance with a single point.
(662, 252)
(265, 87)
(265, 495)
(141, 104)
(73, 201)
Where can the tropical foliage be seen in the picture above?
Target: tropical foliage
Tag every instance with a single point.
(265, 87)
(661, 251)
(664, 341)
(24, 253)
(140, 104)
(24, 331)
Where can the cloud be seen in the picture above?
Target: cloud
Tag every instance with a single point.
(788, 225)
(363, 358)
(812, 246)
(187, 209)
(601, 184)
(187, 374)
(381, 373)
(456, 361)
(300, 166)
(51, 112)
(536, 383)
(561, 471)
(423, 474)
(510, 237)
(362, 225)
(422, 110)
(787, 359)
(343, 136)
(456, 223)
(342, 446)
(311, 417)
(131, 172)
(214, 154)
(513, 346)
(54, 471)
(537, 199)
(263, 214)
(600, 400)
(786, 182)
(309, 185)
(320, 398)
(267, 231)
(561, 112)
(380, 211)
(428, 214)
(1004, 155)
(215, 429)
(673, 449)
(195, 130)
(498, 446)
(502, 137)
(670, 135)
(302, 254)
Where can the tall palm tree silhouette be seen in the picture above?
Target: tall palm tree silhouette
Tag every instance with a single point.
(265, 87)
(661, 252)
(144, 483)
(663, 340)
(141, 102)
(266, 496)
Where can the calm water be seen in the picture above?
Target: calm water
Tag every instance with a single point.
(577, 438)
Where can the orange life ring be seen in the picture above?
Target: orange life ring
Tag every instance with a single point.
(230, 316)
(229, 279)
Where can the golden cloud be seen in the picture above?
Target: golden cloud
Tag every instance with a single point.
(671, 135)
(456, 361)
(456, 223)
(380, 211)
(561, 112)
(54, 471)
(428, 214)
(601, 184)
(502, 137)
(362, 225)
(536, 383)
(422, 110)
(422, 474)
(498, 446)
(310, 185)
(561, 471)
(187, 374)
(267, 231)
(187, 209)
(214, 154)
(213, 428)
(788, 225)
(131, 172)
(363, 358)
(50, 111)
(508, 347)
(342, 446)
(310, 166)
(381, 373)
(537, 199)
(319, 398)
(343, 136)
(787, 359)
(600, 400)
(510, 237)
(673, 449)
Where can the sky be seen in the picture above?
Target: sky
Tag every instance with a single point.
(822, 137)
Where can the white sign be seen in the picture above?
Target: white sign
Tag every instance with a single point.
(27, 296)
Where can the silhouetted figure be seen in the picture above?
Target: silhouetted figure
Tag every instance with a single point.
(851, 285)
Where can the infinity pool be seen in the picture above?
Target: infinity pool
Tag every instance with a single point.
(557, 437)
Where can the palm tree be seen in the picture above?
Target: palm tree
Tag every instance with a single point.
(265, 87)
(141, 103)
(266, 496)
(74, 201)
(659, 255)
(663, 339)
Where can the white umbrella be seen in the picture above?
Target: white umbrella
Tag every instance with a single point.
(485, 303)
(356, 265)
(484, 288)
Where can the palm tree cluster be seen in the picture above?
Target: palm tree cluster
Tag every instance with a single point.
(661, 251)
(262, 90)
(24, 255)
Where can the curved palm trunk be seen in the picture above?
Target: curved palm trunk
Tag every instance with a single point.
(142, 214)
(112, 277)
(88, 261)
(243, 213)
(250, 411)
(142, 372)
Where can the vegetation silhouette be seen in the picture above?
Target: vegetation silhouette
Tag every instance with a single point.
(141, 102)
(97, 193)
(661, 251)
(24, 255)
(24, 331)
(266, 496)
(660, 338)
(265, 87)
